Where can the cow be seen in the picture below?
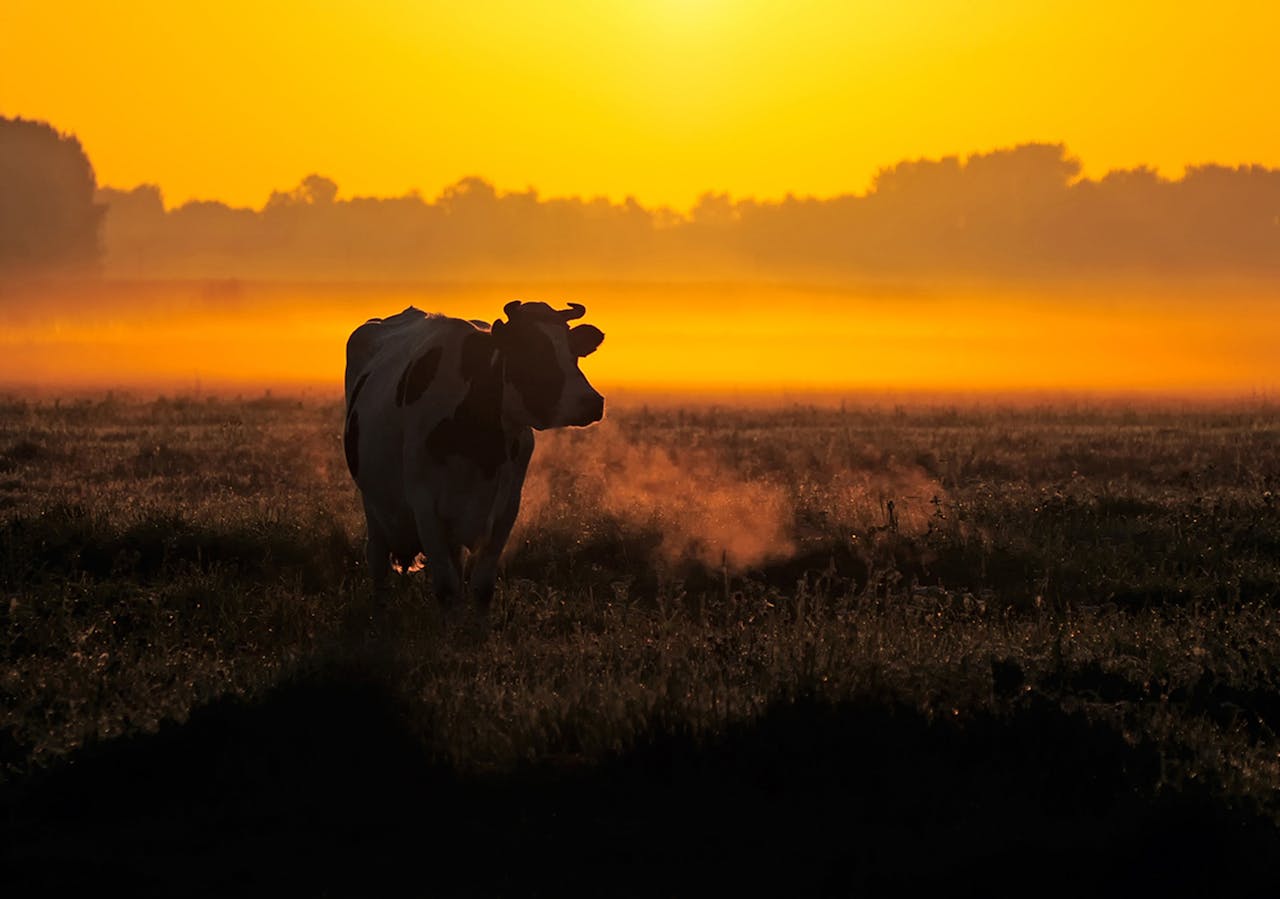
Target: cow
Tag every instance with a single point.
(439, 431)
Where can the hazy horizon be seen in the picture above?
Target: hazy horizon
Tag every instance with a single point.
(1003, 273)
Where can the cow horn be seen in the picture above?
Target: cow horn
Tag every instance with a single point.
(511, 308)
(575, 310)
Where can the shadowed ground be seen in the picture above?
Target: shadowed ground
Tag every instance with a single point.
(321, 787)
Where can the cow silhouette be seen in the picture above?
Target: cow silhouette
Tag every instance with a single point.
(439, 431)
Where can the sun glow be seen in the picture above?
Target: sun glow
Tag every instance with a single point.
(663, 101)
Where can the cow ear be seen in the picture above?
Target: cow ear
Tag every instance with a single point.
(497, 327)
(584, 339)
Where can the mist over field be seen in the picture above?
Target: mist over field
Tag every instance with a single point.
(731, 341)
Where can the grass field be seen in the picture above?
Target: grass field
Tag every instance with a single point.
(804, 649)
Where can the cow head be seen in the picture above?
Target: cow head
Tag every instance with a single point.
(540, 355)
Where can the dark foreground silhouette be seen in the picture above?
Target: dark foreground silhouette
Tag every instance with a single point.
(322, 788)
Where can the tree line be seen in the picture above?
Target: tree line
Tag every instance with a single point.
(1019, 213)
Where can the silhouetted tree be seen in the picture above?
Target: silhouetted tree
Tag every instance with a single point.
(48, 217)
(1021, 212)
(134, 229)
(314, 190)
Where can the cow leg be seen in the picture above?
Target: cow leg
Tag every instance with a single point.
(443, 560)
(377, 552)
(484, 563)
(485, 576)
(466, 564)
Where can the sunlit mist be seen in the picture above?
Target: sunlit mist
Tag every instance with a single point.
(726, 339)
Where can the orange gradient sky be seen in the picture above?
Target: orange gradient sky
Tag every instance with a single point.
(660, 99)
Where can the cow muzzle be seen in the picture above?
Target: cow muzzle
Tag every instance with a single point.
(590, 410)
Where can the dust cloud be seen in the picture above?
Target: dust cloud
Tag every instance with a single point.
(696, 506)
(702, 509)
(715, 502)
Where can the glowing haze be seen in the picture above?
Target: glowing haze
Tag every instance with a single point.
(661, 99)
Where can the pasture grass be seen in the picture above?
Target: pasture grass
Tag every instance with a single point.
(678, 577)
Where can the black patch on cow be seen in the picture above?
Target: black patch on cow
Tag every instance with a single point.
(515, 448)
(355, 391)
(351, 440)
(474, 431)
(533, 368)
(477, 355)
(417, 377)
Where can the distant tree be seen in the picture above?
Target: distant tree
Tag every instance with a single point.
(1020, 212)
(48, 217)
(143, 203)
(315, 190)
(133, 232)
(320, 190)
(715, 210)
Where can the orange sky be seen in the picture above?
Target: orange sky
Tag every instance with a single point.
(661, 99)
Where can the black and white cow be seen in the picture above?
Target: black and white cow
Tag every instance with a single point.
(439, 430)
